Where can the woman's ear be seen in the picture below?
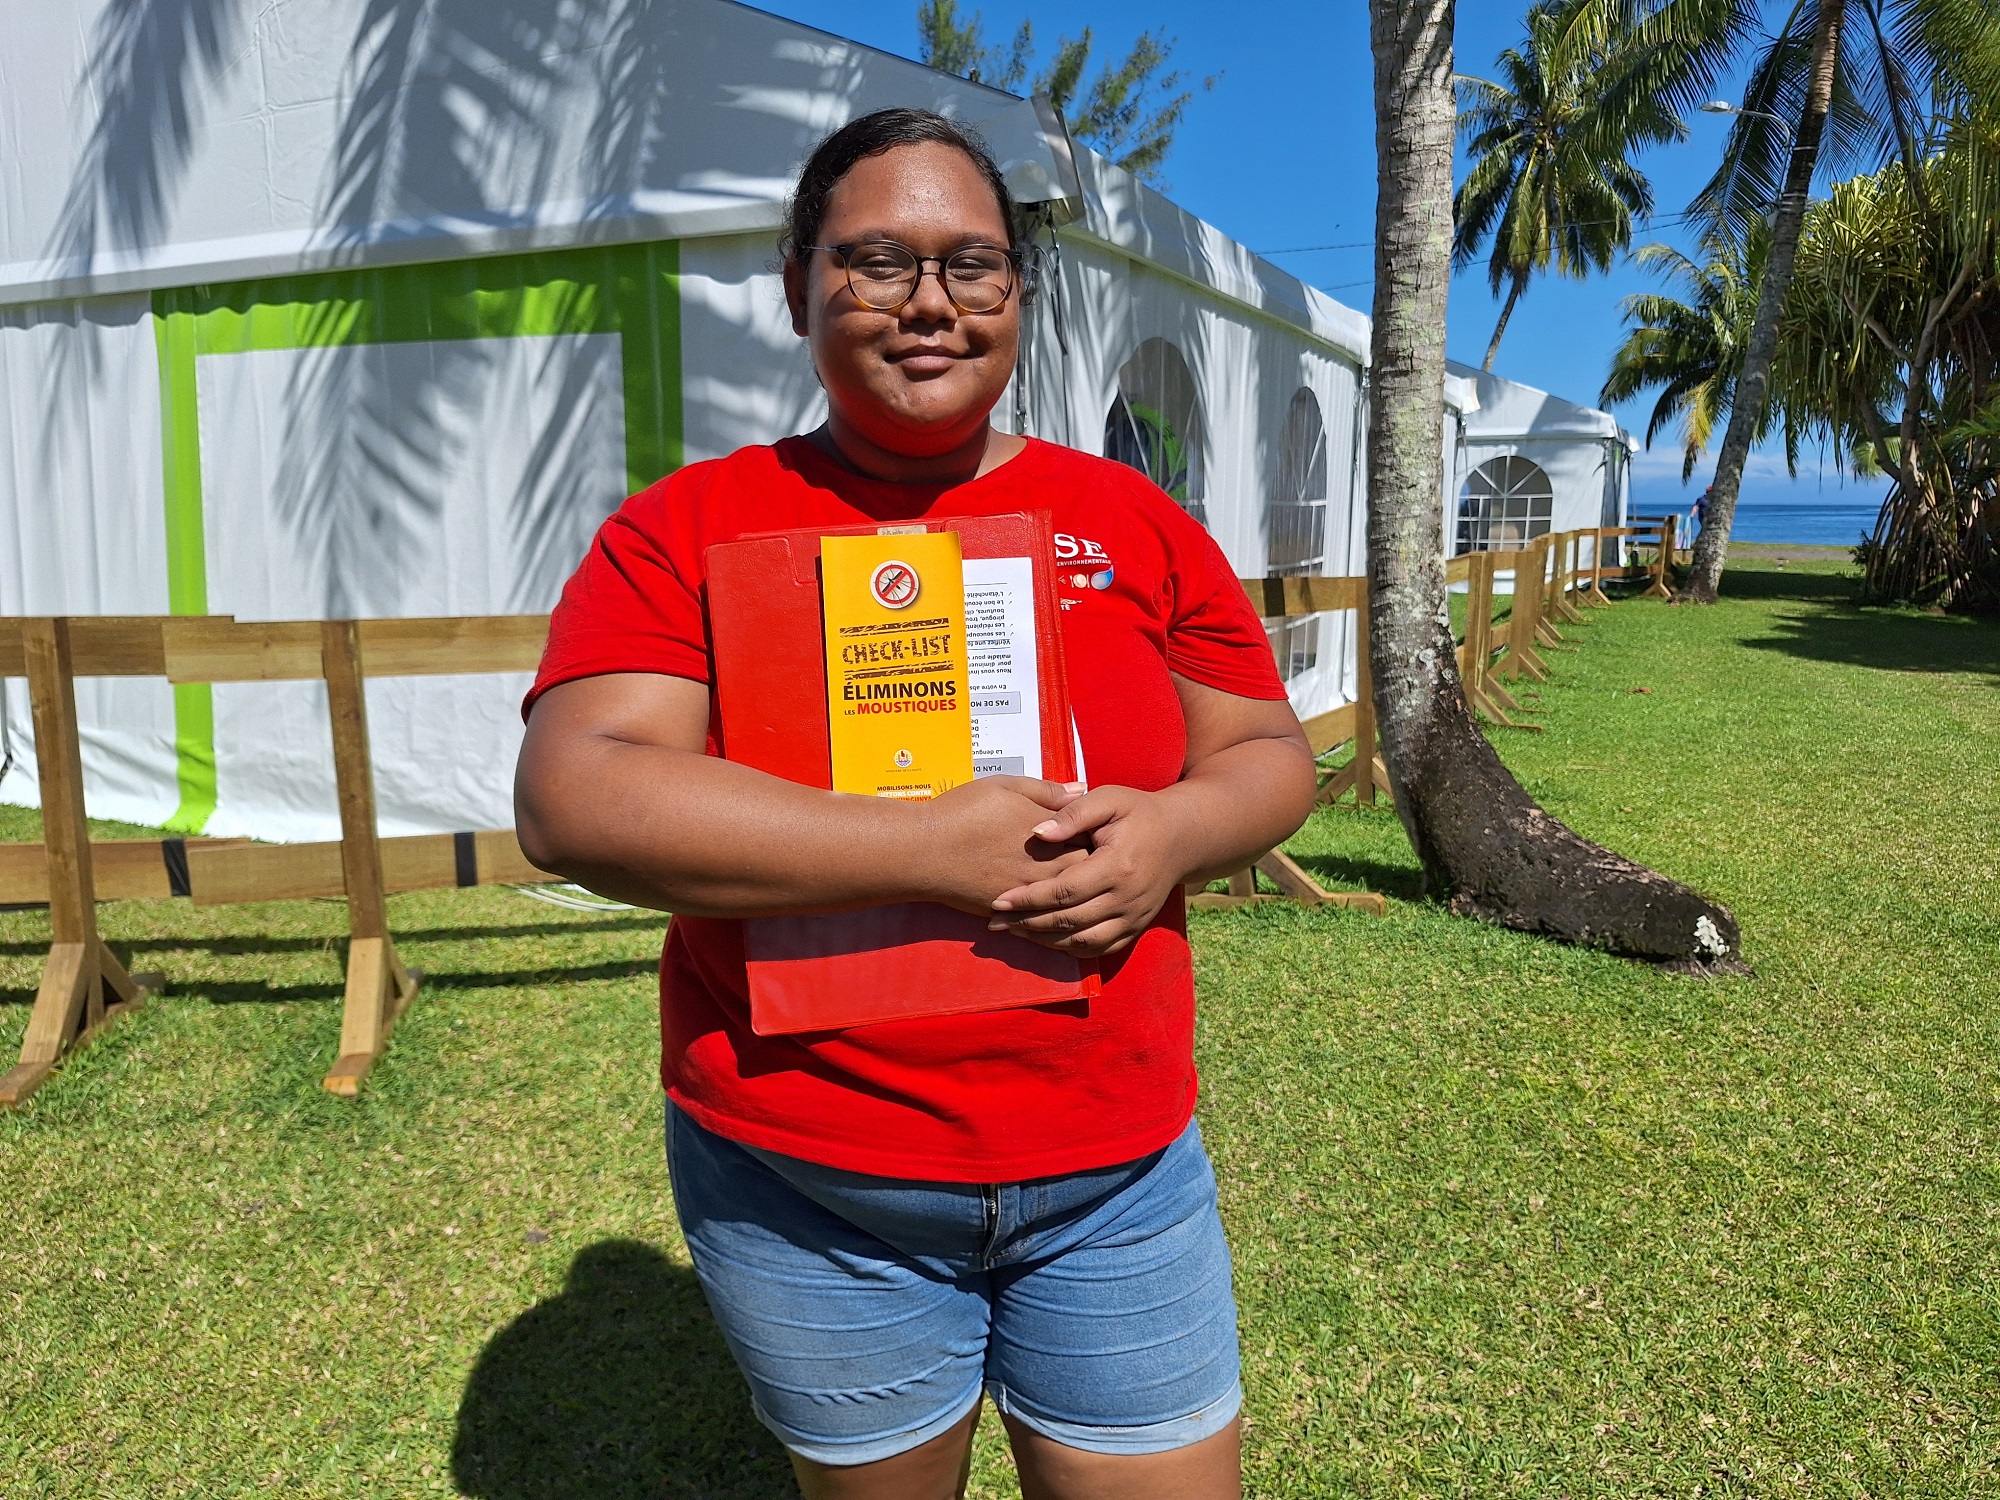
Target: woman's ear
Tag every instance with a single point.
(795, 293)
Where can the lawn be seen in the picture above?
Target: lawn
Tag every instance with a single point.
(1509, 1219)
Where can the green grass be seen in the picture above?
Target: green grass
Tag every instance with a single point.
(1509, 1219)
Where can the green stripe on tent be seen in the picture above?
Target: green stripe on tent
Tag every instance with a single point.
(649, 343)
(175, 332)
(630, 290)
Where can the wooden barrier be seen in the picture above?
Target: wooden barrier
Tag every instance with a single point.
(1365, 776)
(1484, 693)
(364, 868)
(84, 988)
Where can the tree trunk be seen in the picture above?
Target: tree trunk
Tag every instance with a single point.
(1484, 844)
(1753, 383)
(1499, 328)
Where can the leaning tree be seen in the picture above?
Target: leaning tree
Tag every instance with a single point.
(1484, 843)
(1837, 83)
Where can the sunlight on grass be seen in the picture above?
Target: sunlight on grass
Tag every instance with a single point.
(1509, 1219)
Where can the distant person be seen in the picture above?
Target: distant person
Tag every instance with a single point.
(893, 1222)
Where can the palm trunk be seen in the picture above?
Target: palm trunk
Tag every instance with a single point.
(1753, 384)
(1499, 328)
(1484, 843)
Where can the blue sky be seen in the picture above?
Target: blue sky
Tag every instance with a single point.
(1281, 154)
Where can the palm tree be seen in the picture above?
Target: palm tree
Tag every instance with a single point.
(1861, 80)
(1690, 350)
(1551, 184)
(1890, 348)
(1484, 843)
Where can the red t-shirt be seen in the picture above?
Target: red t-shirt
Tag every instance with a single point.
(998, 1097)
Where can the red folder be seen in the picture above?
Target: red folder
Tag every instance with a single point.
(825, 973)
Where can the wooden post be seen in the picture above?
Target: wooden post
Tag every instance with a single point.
(1365, 775)
(1524, 622)
(1595, 594)
(71, 1006)
(1483, 693)
(1552, 607)
(1663, 565)
(1569, 565)
(379, 988)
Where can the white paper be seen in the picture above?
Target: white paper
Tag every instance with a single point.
(1001, 666)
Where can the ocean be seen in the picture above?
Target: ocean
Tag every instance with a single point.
(1804, 525)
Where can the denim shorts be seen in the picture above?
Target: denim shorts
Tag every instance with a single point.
(870, 1313)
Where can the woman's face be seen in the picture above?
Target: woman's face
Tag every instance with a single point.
(919, 380)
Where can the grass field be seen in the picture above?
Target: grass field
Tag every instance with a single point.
(1509, 1219)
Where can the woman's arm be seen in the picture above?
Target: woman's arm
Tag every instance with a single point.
(614, 791)
(1247, 785)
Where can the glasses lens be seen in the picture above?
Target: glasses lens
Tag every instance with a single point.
(882, 274)
(979, 279)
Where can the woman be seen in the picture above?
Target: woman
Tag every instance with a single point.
(893, 1219)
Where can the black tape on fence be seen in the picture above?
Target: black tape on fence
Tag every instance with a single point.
(174, 855)
(465, 854)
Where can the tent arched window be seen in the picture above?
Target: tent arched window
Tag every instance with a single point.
(1295, 523)
(1155, 424)
(1506, 503)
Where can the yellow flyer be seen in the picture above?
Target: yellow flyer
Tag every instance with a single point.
(897, 707)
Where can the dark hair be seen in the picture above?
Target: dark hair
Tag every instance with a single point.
(871, 135)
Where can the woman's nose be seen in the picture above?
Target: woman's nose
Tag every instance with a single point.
(930, 303)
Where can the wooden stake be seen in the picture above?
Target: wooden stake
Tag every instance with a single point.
(1523, 624)
(379, 988)
(1365, 775)
(1663, 565)
(71, 1006)
(1595, 594)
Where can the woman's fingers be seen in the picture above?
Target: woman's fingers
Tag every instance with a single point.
(1084, 815)
(1087, 878)
(1054, 795)
(1100, 929)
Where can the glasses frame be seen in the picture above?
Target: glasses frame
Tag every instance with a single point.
(1014, 257)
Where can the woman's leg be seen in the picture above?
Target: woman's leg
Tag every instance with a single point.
(1211, 1469)
(937, 1470)
(1113, 1355)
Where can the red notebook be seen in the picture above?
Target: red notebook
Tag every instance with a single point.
(883, 963)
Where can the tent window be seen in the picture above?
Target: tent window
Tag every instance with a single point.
(1507, 502)
(1155, 424)
(1296, 525)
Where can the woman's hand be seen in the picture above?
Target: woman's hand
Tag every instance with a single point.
(1098, 903)
(1246, 785)
(980, 839)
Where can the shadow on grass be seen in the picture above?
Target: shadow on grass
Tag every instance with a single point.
(259, 943)
(1889, 641)
(1404, 882)
(1778, 583)
(620, 1386)
(258, 992)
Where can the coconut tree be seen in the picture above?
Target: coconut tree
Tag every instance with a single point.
(1690, 350)
(1484, 843)
(1837, 83)
(1890, 348)
(1551, 184)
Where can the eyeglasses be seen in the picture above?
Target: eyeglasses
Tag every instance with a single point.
(883, 274)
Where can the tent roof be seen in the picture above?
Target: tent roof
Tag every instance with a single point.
(1509, 410)
(173, 144)
(217, 140)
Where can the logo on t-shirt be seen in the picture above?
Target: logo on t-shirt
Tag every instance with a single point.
(894, 584)
(1082, 563)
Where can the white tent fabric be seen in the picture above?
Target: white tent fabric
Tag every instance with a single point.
(322, 307)
(1580, 457)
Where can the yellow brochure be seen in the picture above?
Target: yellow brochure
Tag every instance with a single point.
(897, 714)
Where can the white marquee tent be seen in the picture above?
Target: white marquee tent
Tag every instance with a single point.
(1530, 463)
(313, 308)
